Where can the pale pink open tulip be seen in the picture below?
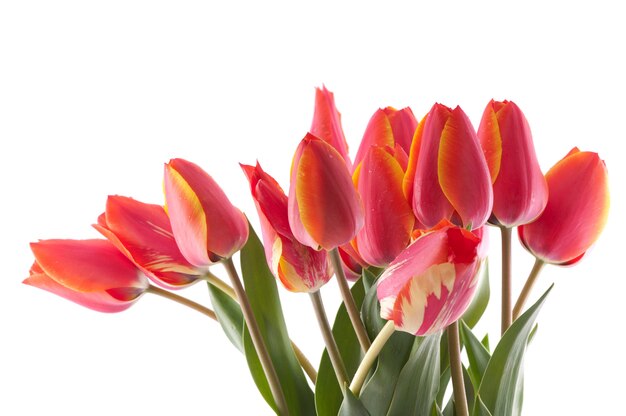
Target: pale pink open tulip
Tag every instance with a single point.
(92, 273)
(432, 282)
(206, 226)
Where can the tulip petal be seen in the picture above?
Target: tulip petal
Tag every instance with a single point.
(403, 124)
(463, 172)
(430, 204)
(87, 265)
(327, 123)
(378, 132)
(323, 197)
(409, 176)
(491, 140)
(389, 219)
(576, 212)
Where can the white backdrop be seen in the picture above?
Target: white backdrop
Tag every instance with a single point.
(96, 96)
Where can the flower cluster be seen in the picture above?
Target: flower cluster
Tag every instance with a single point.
(406, 219)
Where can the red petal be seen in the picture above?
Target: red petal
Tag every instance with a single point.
(327, 123)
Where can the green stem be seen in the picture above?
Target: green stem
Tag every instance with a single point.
(329, 340)
(257, 339)
(456, 370)
(528, 286)
(183, 301)
(371, 355)
(506, 279)
(348, 300)
(220, 284)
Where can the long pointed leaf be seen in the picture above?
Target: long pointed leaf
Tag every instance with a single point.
(477, 354)
(352, 406)
(478, 305)
(228, 315)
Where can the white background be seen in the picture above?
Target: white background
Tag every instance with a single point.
(96, 96)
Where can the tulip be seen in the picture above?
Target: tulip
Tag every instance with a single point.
(206, 226)
(448, 172)
(389, 219)
(520, 192)
(431, 283)
(389, 127)
(351, 262)
(576, 213)
(324, 207)
(143, 233)
(298, 267)
(327, 123)
(92, 273)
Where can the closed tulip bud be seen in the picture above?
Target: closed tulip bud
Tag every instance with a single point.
(351, 262)
(92, 273)
(143, 233)
(388, 127)
(298, 267)
(520, 191)
(447, 171)
(324, 207)
(327, 123)
(206, 226)
(576, 213)
(389, 219)
(432, 282)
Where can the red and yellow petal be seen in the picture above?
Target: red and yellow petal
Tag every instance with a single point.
(327, 123)
(377, 133)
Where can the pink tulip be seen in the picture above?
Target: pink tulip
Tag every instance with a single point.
(92, 273)
(298, 267)
(206, 226)
(432, 282)
(576, 213)
(143, 233)
(324, 208)
(389, 219)
(448, 172)
(327, 123)
(520, 191)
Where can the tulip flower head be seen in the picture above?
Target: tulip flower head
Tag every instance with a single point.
(298, 267)
(327, 123)
(143, 233)
(206, 226)
(324, 207)
(431, 283)
(576, 213)
(389, 219)
(92, 273)
(520, 192)
(447, 173)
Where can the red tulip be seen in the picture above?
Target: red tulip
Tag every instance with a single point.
(576, 213)
(299, 268)
(432, 282)
(92, 273)
(520, 191)
(389, 219)
(389, 127)
(324, 208)
(143, 233)
(206, 226)
(327, 123)
(351, 262)
(450, 177)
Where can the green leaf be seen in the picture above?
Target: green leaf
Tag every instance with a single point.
(379, 389)
(444, 380)
(501, 388)
(370, 309)
(480, 409)
(229, 315)
(436, 410)
(481, 299)
(485, 342)
(417, 386)
(262, 292)
(352, 406)
(328, 396)
(476, 353)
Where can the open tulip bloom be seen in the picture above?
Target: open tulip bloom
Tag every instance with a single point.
(406, 220)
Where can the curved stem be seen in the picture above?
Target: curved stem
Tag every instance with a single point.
(371, 355)
(506, 279)
(183, 301)
(257, 339)
(220, 284)
(456, 370)
(305, 363)
(528, 286)
(329, 340)
(348, 300)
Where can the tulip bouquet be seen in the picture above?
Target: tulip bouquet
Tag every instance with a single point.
(405, 221)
